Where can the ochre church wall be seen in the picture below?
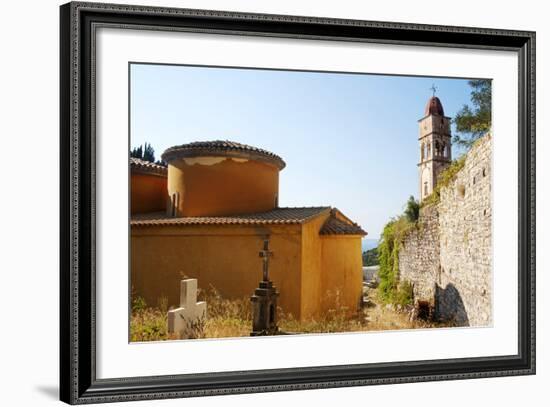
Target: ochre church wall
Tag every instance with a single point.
(312, 272)
(147, 193)
(307, 269)
(223, 257)
(332, 270)
(342, 282)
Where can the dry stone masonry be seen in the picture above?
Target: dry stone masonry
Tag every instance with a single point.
(419, 255)
(447, 258)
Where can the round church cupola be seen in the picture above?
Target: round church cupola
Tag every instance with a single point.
(220, 178)
(434, 107)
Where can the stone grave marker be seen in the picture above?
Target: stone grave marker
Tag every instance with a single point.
(185, 319)
(264, 300)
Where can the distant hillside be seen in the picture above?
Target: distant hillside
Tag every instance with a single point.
(367, 244)
(370, 257)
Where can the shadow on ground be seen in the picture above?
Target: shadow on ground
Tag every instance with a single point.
(50, 391)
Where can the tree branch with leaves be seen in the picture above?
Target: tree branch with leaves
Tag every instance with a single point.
(474, 121)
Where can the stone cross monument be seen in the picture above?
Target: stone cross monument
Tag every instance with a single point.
(265, 254)
(264, 300)
(184, 320)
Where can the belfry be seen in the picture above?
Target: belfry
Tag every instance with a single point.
(435, 145)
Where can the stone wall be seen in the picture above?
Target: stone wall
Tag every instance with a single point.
(447, 257)
(419, 255)
(465, 227)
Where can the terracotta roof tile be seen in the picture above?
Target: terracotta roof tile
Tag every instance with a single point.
(224, 148)
(335, 226)
(278, 216)
(142, 166)
(434, 107)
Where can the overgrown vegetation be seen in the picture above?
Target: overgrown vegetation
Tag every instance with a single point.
(444, 179)
(390, 288)
(337, 319)
(232, 318)
(149, 323)
(404, 294)
(391, 291)
(225, 318)
(474, 121)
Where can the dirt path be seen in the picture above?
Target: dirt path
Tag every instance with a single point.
(379, 316)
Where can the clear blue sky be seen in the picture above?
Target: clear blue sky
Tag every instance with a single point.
(349, 140)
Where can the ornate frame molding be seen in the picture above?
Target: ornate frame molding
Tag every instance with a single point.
(78, 382)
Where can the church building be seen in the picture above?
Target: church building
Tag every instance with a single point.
(206, 216)
(435, 145)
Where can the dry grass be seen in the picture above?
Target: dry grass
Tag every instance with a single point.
(337, 319)
(226, 318)
(380, 317)
(232, 318)
(149, 323)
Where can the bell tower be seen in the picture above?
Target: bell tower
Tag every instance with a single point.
(435, 145)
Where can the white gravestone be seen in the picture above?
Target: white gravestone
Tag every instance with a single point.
(182, 320)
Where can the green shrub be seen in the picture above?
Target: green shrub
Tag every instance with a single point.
(138, 304)
(412, 210)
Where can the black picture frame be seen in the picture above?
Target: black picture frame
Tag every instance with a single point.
(78, 382)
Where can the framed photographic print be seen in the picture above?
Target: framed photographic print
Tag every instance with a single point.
(256, 203)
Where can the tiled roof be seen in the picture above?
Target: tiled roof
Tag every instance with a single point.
(278, 216)
(139, 165)
(224, 148)
(336, 226)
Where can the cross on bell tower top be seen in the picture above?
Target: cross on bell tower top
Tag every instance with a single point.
(265, 254)
(433, 89)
